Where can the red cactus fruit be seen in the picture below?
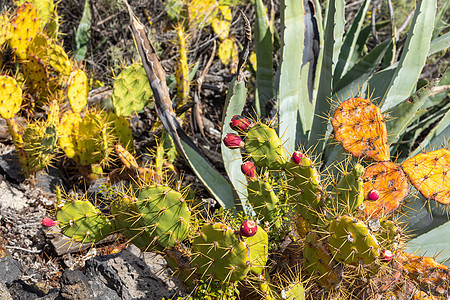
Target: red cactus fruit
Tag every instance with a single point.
(233, 141)
(240, 123)
(248, 228)
(297, 157)
(373, 195)
(386, 256)
(248, 168)
(47, 222)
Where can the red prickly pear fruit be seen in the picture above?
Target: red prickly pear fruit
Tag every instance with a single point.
(248, 228)
(386, 256)
(373, 195)
(297, 157)
(248, 168)
(47, 222)
(240, 123)
(233, 141)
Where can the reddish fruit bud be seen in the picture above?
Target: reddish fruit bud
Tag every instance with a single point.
(248, 228)
(297, 157)
(386, 256)
(248, 168)
(47, 222)
(373, 195)
(240, 123)
(233, 141)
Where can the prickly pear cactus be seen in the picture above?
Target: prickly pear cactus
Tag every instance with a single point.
(360, 128)
(264, 147)
(132, 91)
(77, 90)
(40, 145)
(258, 247)
(44, 9)
(428, 172)
(390, 183)
(11, 97)
(217, 250)
(349, 191)
(25, 25)
(352, 242)
(5, 29)
(83, 222)
(264, 201)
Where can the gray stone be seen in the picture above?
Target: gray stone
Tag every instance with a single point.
(101, 291)
(4, 293)
(75, 286)
(10, 270)
(11, 197)
(20, 290)
(49, 179)
(133, 277)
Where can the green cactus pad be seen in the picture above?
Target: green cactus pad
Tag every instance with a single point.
(132, 91)
(121, 130)
(264, 201)
(83, 222)
(77, 90)
(264, 147)
(303, 187)
(10, 97)
(94, 139)
(25, 25)
(160, 214)
(217, 250)
(319, 262)
(58, 59)
(258, 246)
(350, 189)
(351, 241)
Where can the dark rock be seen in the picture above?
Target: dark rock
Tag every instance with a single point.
(133, 277)
(49, 179)
(11, 168)
(75, 286)
(53, 294)
(10, 270)
(20, 290)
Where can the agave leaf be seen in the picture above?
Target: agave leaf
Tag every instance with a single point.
(413, 56)
(264, 52)
(292, 35)
(353, 81)
(435, 242)
(83, 33)
(350, 40)
(234, 104)
(438, 136)
(404, 113)
(334, 29)
(440, 44)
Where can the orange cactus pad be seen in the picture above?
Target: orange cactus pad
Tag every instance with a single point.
(390, 182)
(360, 128)
(429, 173)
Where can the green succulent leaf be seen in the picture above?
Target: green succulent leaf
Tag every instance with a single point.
(234, 104)
(264, 52)
(413, 56)
(83, 33)
(440, 44)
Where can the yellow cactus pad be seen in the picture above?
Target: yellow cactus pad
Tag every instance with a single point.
(387, 179)
(360, 128)
(67, 133)
(58, 59)
(25, 25)
(43, 7)
(221, 23)
(77, 90)
(36, 75)
(5, 29)
(10, 97)
(182, 71)
(429, 173)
